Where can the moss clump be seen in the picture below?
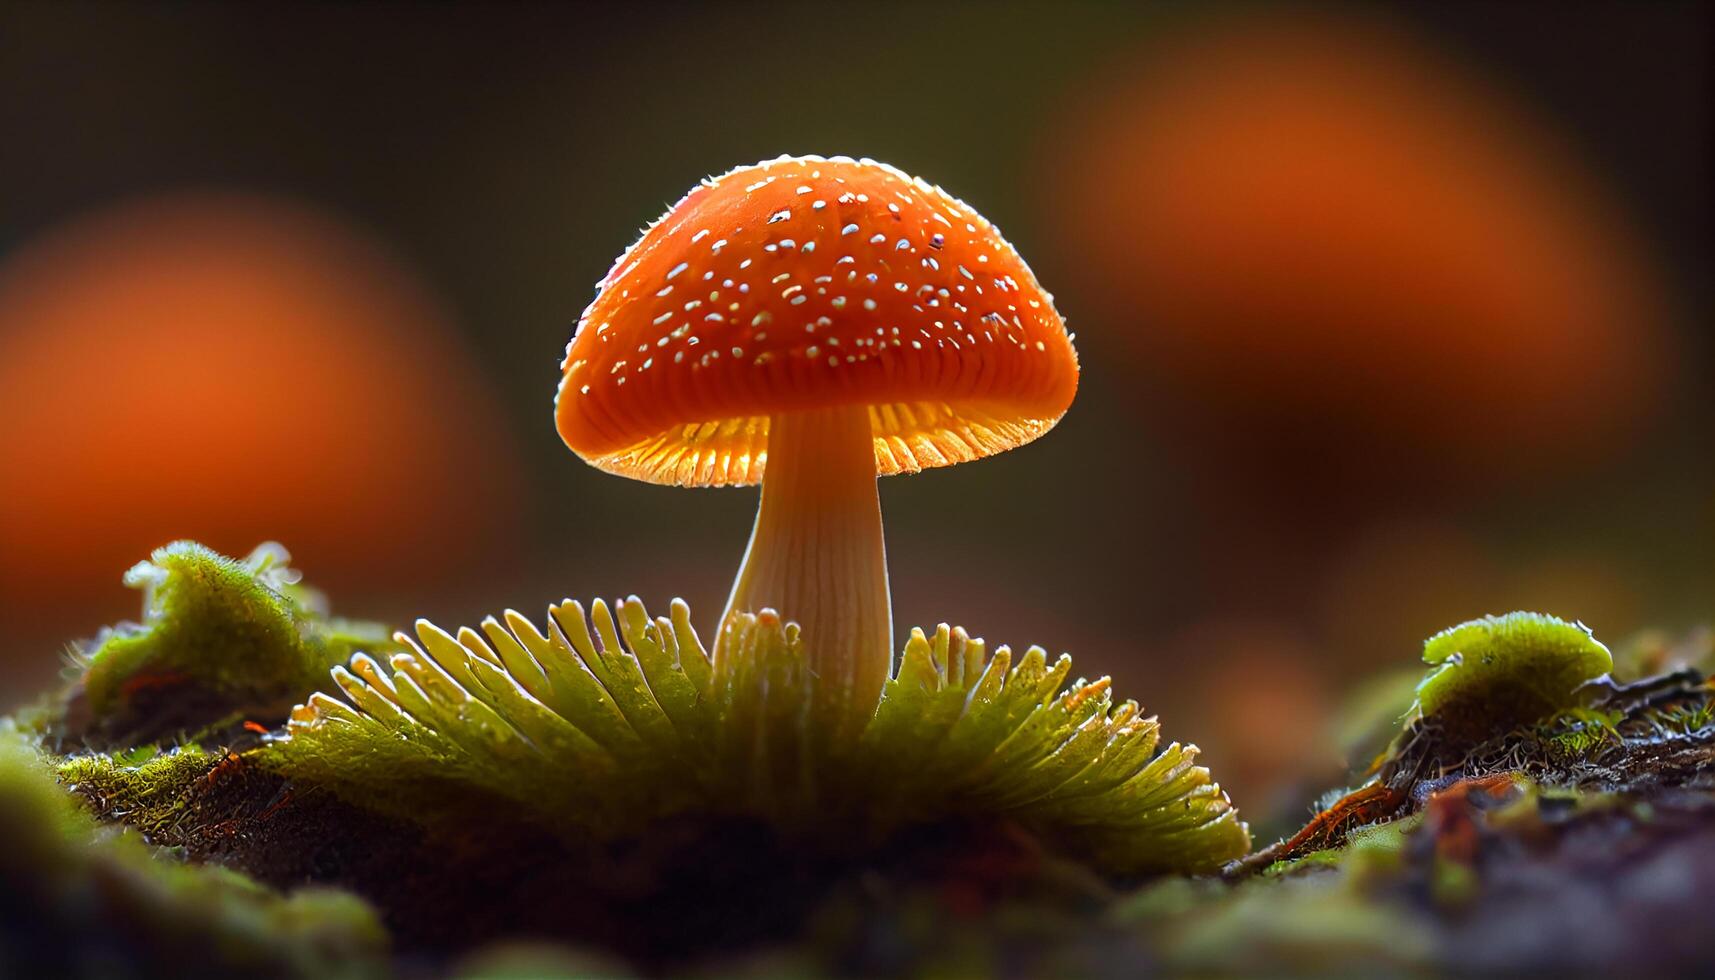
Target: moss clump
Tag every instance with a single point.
(149, 788)
(1500, 672)
(597, 733)
(221, 640)
(1521, 696)
(81, 899)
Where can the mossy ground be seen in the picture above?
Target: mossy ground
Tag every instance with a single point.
(597, 782)
(81, 898)
(222, 641)
(1536, 812)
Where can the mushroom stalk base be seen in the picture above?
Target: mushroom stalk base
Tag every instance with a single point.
(817, 557)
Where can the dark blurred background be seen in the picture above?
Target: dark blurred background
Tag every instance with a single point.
(1389, 316)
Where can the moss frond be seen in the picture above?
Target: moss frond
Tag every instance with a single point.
(220, 637)
(959, 728)
(606, 719)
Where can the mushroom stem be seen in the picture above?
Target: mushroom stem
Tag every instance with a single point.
(817, 557)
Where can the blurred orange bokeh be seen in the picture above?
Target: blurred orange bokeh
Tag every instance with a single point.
(1394, 584)
(234, 369)
(1265, 693)
(1319, 236)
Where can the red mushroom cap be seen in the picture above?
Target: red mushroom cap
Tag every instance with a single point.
(805, 283)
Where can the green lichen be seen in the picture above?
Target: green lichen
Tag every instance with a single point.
(84, 899)
(596, 733)
(221, 639)
(1499, 672)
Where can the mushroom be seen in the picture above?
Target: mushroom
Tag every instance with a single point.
(810, 324)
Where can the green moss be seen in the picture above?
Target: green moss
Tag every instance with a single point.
(1373, 848)
(1308, 925)
(149, 792)
(81, 899)
(1499, 672)
(594, 757)
(1684, 719)
(961, 731)
(1378, 846)
(596, 732)
(1577, 734)
(220, 639)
